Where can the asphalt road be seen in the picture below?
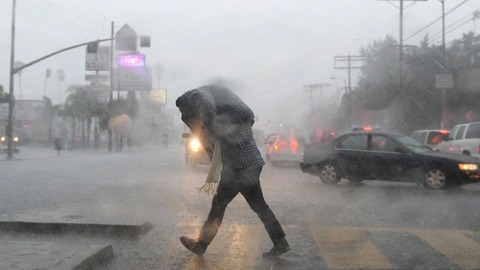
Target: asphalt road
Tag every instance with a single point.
(377, 225)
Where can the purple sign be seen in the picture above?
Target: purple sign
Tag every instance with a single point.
(131, 60)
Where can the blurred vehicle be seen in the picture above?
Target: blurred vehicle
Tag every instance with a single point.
(321, 135)
(376, 155)
(4, 144)
(463, 139)
(195, 155)
(283, 149)
(430, 137)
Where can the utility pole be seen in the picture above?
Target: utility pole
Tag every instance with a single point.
(443, 124)
(110, 101)
(400, 53)
(341, 59)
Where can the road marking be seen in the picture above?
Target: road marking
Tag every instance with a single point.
(347, 248)
(340, 247)
(458, 248)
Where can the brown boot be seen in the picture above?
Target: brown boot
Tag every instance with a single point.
(279, 247)
(197, 247)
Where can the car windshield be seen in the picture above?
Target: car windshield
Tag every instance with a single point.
(239, 134)
(412, 144)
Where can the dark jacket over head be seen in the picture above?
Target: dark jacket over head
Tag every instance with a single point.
(214, 113)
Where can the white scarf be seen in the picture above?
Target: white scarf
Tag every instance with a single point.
(213, 177)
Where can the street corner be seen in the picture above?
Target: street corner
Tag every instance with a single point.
(19, 254)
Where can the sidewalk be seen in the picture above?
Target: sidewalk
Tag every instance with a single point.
(62, 239)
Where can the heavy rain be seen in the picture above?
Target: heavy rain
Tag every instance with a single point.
(333, 134)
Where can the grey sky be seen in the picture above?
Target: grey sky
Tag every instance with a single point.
(270, 48)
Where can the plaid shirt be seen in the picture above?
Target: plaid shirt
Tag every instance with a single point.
(241, 152)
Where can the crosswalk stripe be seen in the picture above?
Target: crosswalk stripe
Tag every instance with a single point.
(463, 251)
(343, 248)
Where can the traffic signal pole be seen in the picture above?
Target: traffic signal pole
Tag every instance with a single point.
(110, 101)
(11, 101)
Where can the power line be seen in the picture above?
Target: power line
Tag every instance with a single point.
(436, 20)
(49, 12)
(434, 36)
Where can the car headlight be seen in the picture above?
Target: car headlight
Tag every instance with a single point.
(3, 139)
(467, 166)
(195, 145)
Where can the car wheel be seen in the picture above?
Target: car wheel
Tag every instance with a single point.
(329, 174)
(435, 178)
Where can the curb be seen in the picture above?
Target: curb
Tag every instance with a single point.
(55, 228)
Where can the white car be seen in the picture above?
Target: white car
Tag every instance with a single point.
(431, 137)
(463, 139)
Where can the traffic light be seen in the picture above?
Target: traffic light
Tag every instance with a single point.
(144, 41)
(92, 47)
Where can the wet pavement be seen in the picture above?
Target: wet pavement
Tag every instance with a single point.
(129, 209)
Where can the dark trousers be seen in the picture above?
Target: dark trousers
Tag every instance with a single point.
(246, 182)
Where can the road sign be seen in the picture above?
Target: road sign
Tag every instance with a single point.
(444, 81)
(158, 96)
(133, 79)
(96, 77)
(99, 60)
(126, 39)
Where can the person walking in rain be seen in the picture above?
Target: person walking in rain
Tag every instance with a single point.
(223, 123)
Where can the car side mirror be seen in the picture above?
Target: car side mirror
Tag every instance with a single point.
(186, 135)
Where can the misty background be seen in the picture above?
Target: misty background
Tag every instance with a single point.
(264, 50)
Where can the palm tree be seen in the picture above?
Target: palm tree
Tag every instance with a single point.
(60, 76)
(77, 107)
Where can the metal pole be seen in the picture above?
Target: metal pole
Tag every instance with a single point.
(111, 88)
(11, 104)
(400, 57)
(443, 124)
(349, 92)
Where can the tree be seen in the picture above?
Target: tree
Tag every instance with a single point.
(79, 106)
(379, 81)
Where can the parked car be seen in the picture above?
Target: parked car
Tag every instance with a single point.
(463, 139)
(283, 149)
(195, 155)
(431, 137)
(377, 155)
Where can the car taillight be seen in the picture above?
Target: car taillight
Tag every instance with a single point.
(293, 145)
